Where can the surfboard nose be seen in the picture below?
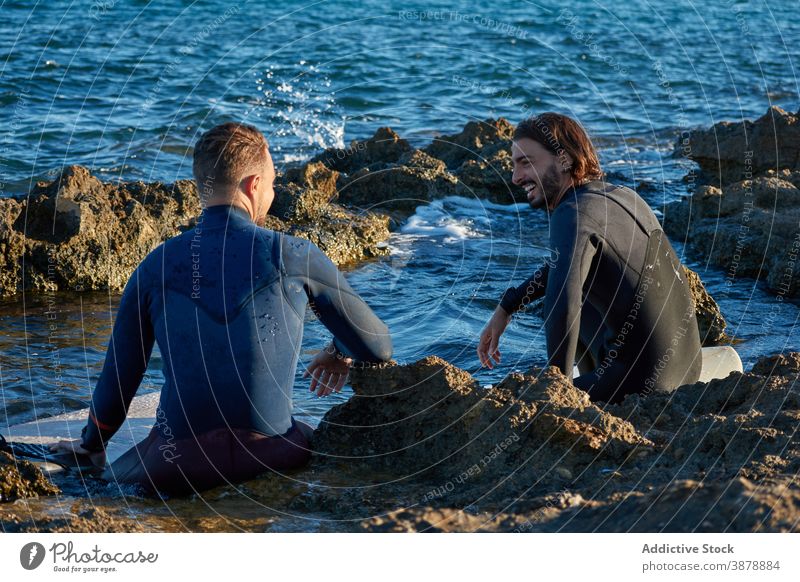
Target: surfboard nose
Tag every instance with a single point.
(719, 362)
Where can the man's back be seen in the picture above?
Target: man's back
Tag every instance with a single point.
(616, 271)
(226, 303)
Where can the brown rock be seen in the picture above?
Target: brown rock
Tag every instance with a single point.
(415, 179)
(20, 479)
(385, 147)
(480, 156)
(710, 322)
(750, 229)
(303, 193)
(729, 152)
(778, 365)
(78, 233)
(479, 140)
(430, 418)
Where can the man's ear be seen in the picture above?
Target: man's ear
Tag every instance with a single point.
(251, 184)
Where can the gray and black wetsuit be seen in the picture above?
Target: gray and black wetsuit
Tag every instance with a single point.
(616, 301)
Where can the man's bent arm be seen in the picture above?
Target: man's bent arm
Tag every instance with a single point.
(357, 331)
(516, 297)
(564, 297)
(126, 362)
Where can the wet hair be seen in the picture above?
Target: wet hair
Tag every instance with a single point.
(562, 135)
(226, 153)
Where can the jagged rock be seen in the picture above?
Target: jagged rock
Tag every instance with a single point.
(303, 193)
(20, 479)
(415, 179)
(12, 246)
(385, 147)
(78, 233)
(346, 236)
(689, 505)
(729, 152)
(749, 229)
(778, 365)
(480, 156)
(478, 140)
(431, 418)
(88, 520)
(423, 447)
(710, 322)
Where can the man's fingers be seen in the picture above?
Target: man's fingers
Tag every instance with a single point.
(340, 383)
(323, 382)
(315, 374)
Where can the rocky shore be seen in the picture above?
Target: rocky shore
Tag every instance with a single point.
(422, 446)
(744, 212)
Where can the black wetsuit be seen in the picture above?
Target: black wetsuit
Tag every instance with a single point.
(226, 303)
(616, 301)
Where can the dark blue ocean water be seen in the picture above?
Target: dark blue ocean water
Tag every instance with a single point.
(125, 88)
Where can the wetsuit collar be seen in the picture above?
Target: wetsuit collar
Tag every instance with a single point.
(225, 214)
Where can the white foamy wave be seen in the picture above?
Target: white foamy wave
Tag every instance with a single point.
(480, 204)
(434, 220)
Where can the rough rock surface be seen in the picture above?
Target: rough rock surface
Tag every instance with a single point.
(385, 147)
(654, 463)
(78, 233)
(728, 152)
(749, 229)
(385, 172)
(480, 157)
(415, 179)
(710, 321)
(20, 479)
(84, 520)
(422, 447)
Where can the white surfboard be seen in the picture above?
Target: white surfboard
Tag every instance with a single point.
(141, 418)
(719, 362)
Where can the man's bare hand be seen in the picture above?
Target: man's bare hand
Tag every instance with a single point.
(74, 447)
(328, 371)
(490, 338)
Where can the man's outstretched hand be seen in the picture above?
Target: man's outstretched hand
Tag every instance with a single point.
(490, 338)
(74, 447)
(328, 371)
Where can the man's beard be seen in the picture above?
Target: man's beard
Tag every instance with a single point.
(550, 184)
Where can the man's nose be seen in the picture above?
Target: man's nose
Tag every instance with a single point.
(516, 177)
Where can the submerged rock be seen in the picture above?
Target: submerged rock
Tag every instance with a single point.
(20, 479)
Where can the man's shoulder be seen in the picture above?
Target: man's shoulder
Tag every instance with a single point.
(596, 194)
(605, 187)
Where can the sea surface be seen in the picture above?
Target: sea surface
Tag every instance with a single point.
(126, 88)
